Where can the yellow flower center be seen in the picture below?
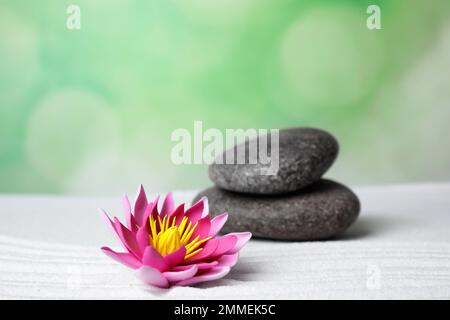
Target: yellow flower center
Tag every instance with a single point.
(170, 237)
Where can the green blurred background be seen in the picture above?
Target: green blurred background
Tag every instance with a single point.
(91, 111)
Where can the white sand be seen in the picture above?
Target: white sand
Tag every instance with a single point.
(398, 248)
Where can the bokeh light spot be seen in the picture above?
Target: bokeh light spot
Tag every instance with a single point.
(65, 128)
(18, 68)
(329, 57)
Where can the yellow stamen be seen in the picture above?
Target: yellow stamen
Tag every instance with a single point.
(192, 242)
(192, 254)
(167, 222)
(186, 231)
(195, 244)
(187, 235)
(160, 223)
(182, 225)
(171, 236)
(153, 228)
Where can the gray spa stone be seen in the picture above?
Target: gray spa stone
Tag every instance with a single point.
(321, 211)
(305, 154)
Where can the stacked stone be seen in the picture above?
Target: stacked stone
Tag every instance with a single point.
(295, 203)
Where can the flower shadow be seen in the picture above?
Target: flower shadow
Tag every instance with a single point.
(159, 292)
(243, 271)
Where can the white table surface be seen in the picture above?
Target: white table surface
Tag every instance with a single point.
(398, 248)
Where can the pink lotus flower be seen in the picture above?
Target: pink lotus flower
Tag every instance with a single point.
(175, 246)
